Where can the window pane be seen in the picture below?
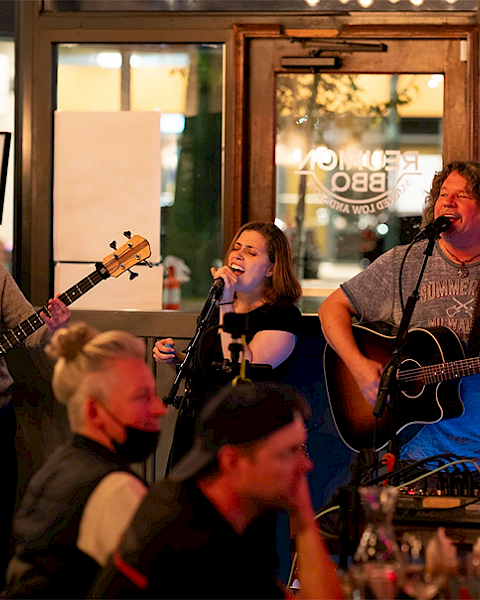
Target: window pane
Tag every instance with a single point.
(355, 156)
(184, 82)
(7, 70)
(308, 6)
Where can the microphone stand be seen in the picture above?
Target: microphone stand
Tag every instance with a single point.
(205, 316)
(348, 497)
(388, 379)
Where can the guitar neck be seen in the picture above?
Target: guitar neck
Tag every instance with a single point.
(14, 337)
(446, 371)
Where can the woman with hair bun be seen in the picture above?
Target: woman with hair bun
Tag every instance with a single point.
(259, 283)
(79, 503)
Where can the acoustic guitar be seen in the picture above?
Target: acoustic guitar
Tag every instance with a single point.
(427, 379)
(136, 250)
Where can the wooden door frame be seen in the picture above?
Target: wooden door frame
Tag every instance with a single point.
(38, 33)
(244, 206)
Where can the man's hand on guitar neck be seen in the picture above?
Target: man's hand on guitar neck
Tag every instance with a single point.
(59, 315)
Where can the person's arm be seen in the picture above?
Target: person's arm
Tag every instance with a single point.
(111, 582)
(164, 352)
(15, 308)
(317, 572)
(268, 347)
(107, 514)
(129, 569)
(275, 337)
(335, 315)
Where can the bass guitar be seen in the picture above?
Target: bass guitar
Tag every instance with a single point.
(427, 379)
(133, 252)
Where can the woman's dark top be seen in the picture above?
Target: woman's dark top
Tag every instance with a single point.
(208, 374)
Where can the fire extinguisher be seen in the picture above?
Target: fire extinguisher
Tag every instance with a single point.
(171, 291)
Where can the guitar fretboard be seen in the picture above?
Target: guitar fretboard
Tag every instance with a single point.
(14, 337)
(442, 371)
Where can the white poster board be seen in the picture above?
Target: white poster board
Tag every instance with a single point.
(106, 180)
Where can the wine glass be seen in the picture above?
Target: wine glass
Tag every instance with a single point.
(377, 580)
(421, 585)
(377, 568)
(417, 582)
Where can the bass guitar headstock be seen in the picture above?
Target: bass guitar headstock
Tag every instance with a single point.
(135, 251)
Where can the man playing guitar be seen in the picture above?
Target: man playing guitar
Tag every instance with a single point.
(447, 299)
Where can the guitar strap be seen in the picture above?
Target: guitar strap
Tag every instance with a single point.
(474, 338)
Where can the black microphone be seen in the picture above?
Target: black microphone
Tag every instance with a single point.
(218, 284)
(434, 229)
(217, 287)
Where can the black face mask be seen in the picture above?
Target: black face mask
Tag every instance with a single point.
(138, 444)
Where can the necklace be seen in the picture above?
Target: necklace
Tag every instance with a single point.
(462, 271)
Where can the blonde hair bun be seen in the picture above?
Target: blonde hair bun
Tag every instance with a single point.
(68, 342)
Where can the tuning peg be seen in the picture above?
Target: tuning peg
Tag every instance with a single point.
(127, 234)
(113, 245)
(132, 274)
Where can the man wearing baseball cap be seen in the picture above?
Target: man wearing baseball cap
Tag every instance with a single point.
(205, 532)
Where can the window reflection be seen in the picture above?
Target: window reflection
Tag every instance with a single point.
(184, 82)
(355, 155)
(7, 72)
(306, 6)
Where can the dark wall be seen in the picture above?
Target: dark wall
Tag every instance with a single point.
(331, 457)
(7, 18)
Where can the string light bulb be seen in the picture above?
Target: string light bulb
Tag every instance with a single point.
(369, 3)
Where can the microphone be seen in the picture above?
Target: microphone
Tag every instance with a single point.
(217, 287)
(218, 284)
(434, 229)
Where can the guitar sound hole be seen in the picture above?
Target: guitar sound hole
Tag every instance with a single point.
(410, 380)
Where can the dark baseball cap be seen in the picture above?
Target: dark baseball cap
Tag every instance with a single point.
(239, 414)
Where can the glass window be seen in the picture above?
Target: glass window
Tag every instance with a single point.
(355, 155)
(7, 108)
(184, 82)
(309, 6)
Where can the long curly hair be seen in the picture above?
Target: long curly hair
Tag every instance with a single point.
(469, 169)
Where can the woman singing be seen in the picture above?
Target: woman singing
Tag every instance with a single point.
(259, 282)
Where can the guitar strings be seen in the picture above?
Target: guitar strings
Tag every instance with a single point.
(16, 335)
(28, 326)
(433, 374)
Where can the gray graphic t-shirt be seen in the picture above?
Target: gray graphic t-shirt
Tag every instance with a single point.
(445, 299)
